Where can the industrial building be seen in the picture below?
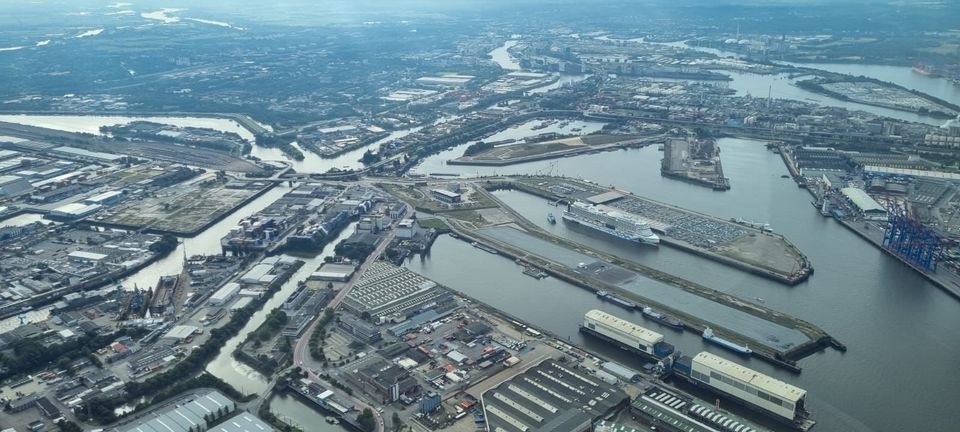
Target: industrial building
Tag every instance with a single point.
(359, 329)
(625, 333)
(445, 195)
(224, 294)
(550, 397)
(193, 415)
(784, 401)
(334, 272)
(384, 380)
(13, 186)
(868, 207)
(74, 211)
(388, 290)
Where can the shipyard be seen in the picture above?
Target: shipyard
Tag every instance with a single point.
(479, 217)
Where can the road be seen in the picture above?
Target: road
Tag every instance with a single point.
(303, 341)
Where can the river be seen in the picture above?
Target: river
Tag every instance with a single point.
(780, 86)
(902, 331)
(501, 56)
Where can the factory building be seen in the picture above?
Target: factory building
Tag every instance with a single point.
(388, 290)
(550, 397)
(868, 207)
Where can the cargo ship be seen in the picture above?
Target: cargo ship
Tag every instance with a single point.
(662, 318)
(721, 342)
(610, 221)
(626, 334)
(629, 305)
(762, 393)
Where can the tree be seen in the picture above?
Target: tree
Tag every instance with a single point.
(366, 420)
(397, 423)
(69, 426)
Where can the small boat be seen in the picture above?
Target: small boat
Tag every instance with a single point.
(551, 218)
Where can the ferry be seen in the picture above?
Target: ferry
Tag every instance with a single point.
(611, 221)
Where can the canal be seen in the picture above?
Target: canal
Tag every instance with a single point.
(241, 376)
(902, 331)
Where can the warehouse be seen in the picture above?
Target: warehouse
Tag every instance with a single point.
(193, 415)
(550, 397)
(13, 186)
(106, 198)
(388, 290)
(754, 388)
(224, 294)
(869, 207)
(334, 272)
(74, 210)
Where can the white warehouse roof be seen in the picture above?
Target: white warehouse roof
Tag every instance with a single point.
(863, 201)
(627, 327)
(756, 379)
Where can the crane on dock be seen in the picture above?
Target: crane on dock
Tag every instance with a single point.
(915, 243)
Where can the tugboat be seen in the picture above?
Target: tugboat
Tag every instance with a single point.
(551, 218)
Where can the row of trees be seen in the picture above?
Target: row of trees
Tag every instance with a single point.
(316, 338)
(29, 355)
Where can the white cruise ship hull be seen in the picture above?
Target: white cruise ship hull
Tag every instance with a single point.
(651, 239)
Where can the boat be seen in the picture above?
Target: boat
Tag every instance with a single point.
(534, 272)
(610, 221)
(629, 305)
(484, 248)
(332, 420)
(551, 218)
(724, 343)
(662, 318)
(924, 70)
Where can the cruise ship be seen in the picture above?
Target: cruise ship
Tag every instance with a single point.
(611, 221)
